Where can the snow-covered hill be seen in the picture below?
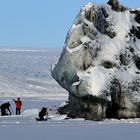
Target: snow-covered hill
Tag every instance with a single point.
(26, 73)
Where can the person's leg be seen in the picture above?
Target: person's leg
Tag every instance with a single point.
(3, 112)
(16, 111)
(19, 111)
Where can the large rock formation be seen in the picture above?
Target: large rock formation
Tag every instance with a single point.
(100, 63)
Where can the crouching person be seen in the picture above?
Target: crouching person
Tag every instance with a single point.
(43, 114)
(5, 109)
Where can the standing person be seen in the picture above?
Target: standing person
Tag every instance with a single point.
(5, 110)
(18, 104)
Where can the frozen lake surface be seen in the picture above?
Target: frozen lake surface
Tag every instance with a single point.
(58, 128)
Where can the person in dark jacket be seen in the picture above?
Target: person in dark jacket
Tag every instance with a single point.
(5, 109)
(42, 114)
(18, 104)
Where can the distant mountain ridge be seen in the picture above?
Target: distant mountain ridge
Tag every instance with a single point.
(26, 73)
(31, 50)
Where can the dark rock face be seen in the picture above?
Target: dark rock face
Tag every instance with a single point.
(122, 106)
(85, 107)
(136, 31)
(100, 64)
(137, 18)
(137, 15)
(116, 6)
(137, 61)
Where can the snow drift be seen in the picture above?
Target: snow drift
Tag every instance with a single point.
(100, 63)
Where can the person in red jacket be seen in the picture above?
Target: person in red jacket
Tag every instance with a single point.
(18, 104)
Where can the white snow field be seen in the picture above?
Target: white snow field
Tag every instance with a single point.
(26, 74)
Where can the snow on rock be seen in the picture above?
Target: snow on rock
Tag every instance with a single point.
(100, 63)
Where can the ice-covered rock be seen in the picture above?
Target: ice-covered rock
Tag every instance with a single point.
(100, 63)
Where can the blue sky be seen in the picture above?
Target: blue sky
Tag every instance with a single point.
(40, 23)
